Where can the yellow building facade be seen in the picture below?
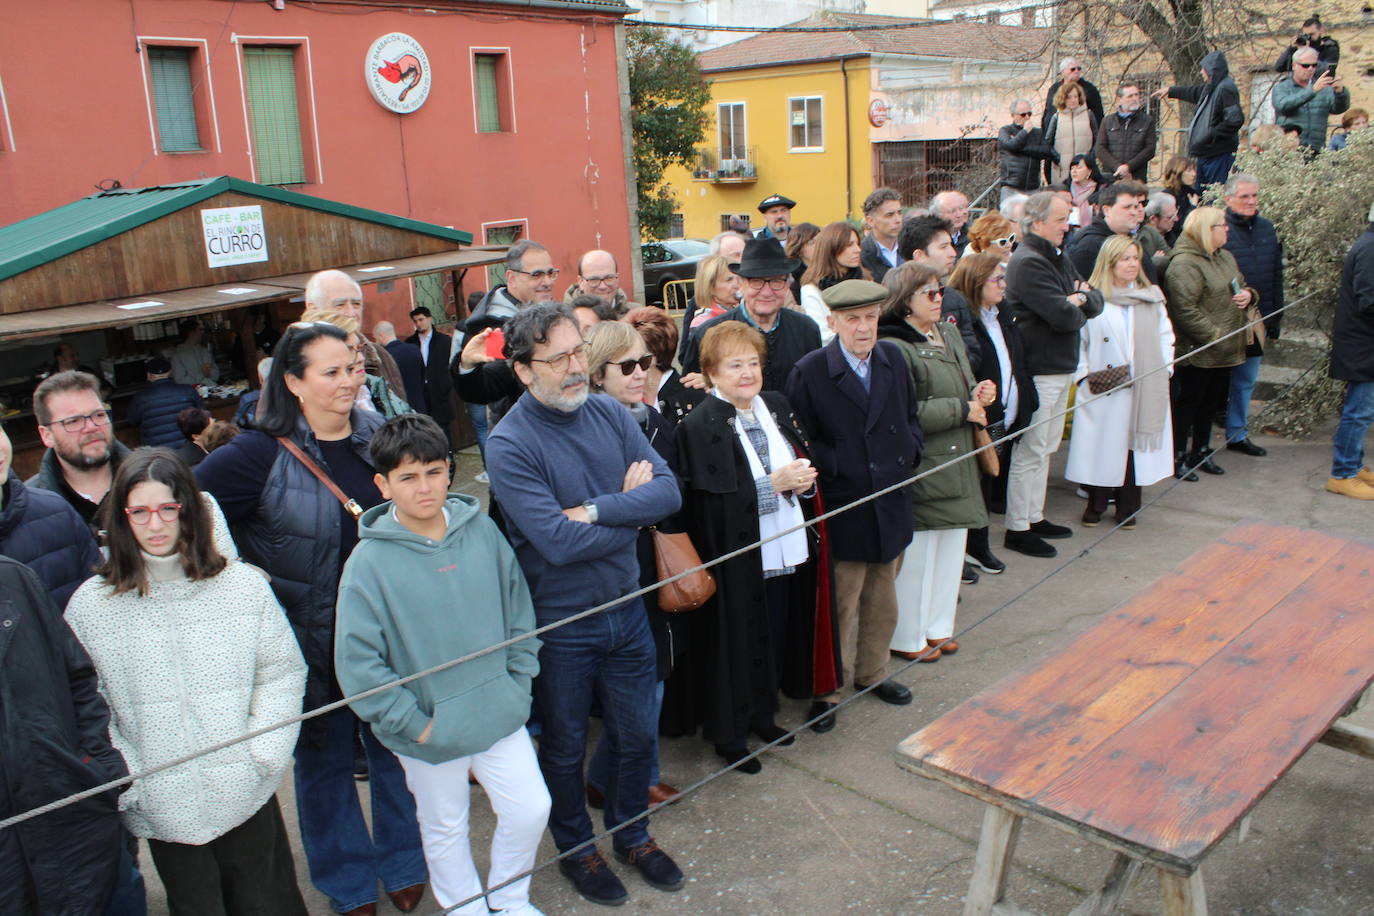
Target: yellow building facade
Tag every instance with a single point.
(788, 130)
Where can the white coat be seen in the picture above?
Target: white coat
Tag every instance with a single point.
(815, 308)
(184, 667)
(1102, 429)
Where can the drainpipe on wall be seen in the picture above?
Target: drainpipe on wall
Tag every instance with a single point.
(848, 160)
(622, 78)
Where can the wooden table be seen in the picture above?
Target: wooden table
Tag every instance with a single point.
(1157, 730)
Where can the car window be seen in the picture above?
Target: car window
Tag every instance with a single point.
(688, 248)
(654, 253)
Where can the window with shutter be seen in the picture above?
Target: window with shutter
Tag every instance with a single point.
(169, 71)
(488, 78)
(502, 235)
(269, 76)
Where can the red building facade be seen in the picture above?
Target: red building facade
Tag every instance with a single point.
(520, 135)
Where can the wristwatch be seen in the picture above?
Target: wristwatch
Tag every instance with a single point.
(591, 511)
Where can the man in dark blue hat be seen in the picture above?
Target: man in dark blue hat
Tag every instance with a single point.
(777, 217)
(764, 272)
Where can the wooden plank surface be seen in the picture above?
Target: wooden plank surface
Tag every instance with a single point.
(1234, 664)
(1178, 777)
(1021, 734)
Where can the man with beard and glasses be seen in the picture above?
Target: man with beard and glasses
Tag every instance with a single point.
(82, 454)
(577, 479)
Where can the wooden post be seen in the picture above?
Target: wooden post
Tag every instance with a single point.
(1105, 901)
(1183, 896)
(996, 844)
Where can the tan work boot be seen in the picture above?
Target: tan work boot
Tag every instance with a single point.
(1366, 475)
(1353, 487)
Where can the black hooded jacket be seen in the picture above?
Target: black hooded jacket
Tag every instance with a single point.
(1215, 128)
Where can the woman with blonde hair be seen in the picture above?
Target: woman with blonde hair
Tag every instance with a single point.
(1208, 301)
(1122, 439)
(991, 232)
(715, 292)
(1071, 131)
(838, 256)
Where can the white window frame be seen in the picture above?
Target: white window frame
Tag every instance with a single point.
(521, 221)
(720, 134)
(166, 41)
(300, 42)
(805, 149)
(7, 144)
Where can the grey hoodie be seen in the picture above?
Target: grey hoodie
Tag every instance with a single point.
(407, 603)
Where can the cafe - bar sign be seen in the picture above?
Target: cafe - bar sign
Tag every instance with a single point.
(234, 235)
(397, 73)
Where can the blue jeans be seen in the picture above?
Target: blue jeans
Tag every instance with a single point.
(1238, 403)
(345, 861)
(1214, 169)
(610, 655)
(478, 413)
(128, 898)
(599, 769)
(1347, 449)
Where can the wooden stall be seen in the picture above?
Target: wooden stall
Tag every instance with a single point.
(111, 275)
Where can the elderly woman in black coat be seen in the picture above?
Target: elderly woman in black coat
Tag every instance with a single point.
(745, 466)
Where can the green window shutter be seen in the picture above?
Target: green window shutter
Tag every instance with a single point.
(170, 70)
(269, 76)
(500, 235)
(488, 103)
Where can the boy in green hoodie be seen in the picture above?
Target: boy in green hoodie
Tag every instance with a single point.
(431, 580)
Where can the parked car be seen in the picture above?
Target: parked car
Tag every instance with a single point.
(669, 260)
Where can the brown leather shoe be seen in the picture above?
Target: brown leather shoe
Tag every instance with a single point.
(947, 646)
(367, 909)
(912, 656)
(407, 898)
(662, 794)
(596, 798)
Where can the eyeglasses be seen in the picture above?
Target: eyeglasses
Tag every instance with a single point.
(559, 363)
(601, 281)
(933, 293)
(1075, 69)
(773, 283)
(1306, 66)
(75, 424)
(1005, 242)
(1022, 114)
(537, 274)
(142, 515)
(627, 366)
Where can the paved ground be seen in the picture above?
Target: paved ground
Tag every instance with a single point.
(832, 825)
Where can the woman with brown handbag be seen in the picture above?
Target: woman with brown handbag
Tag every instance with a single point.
(618, 362)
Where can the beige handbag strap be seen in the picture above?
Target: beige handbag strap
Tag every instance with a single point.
(350, 504)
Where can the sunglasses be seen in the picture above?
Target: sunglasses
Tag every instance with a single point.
(627, 366)
(1006, 242)
(933, 293)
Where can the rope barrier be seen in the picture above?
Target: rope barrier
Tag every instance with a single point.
(797, 731)
(616, 602)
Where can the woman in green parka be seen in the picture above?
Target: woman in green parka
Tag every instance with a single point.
(1207, 299)
(948, 503)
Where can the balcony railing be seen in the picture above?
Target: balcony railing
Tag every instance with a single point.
(710, 166)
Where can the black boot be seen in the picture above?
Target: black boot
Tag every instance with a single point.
(1202, 460)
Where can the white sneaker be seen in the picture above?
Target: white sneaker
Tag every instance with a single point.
(483, 478)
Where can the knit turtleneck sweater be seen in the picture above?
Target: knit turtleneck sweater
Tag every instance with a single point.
(164, 569)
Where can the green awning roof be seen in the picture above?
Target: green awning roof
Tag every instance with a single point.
(55, 233)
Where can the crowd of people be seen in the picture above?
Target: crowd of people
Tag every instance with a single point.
(314, 550)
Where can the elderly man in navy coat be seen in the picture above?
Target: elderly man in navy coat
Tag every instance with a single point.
(856, 399)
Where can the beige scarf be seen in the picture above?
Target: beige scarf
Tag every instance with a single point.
(1150, 408)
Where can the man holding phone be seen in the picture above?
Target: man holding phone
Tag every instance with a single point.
(1308, 98)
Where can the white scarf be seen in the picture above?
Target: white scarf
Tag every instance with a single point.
(791, 549)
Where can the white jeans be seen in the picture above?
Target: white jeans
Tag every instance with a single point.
(1030, 459)
(928, 588)
(509, 773)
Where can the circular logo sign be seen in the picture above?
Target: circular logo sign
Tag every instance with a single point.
(397, 73)
(877, 113)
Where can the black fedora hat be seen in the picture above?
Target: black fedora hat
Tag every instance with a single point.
(764, 258)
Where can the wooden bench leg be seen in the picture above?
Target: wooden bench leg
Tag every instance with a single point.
(1183, 896)
(1104, 902)
(996, 844)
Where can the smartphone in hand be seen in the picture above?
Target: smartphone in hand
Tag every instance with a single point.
(496, 342)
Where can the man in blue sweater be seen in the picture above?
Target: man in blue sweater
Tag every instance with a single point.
(576, 479)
